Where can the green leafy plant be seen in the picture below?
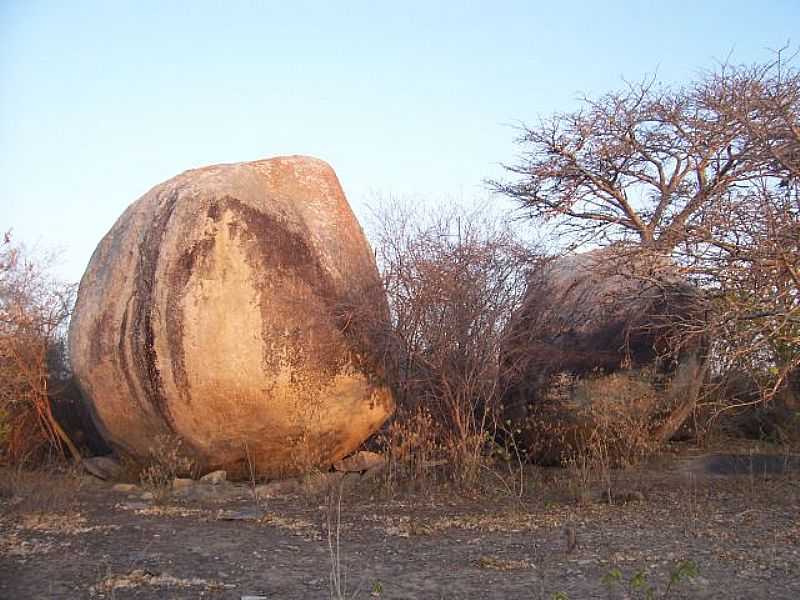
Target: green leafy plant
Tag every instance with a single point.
(639, 586)
(683, 571)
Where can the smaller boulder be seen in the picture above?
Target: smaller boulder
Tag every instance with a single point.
(275, 489)
(106, 468)
(124, 488)
(622, 497)
(215, 477)
(374, 472)
(182, 483)
(360, 461)
(247, 514)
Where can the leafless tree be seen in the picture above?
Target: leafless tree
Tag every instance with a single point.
(747, 247)
(453, 278)
(33, 311)
(705, 174)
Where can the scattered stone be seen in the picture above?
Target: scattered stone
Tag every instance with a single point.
(103, 467)
(373, 472)
(742, 464)
(500, 564)
(126, 488)
(247, 514)
(274, 489)
(148, 496)
(134, 506)
(622, 497)
(215, 477)
(360, 461)
(319, 483)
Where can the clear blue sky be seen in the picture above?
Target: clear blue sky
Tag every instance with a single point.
(99, 101)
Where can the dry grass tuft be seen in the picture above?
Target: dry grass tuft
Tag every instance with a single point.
(53, 490)
(166, 461)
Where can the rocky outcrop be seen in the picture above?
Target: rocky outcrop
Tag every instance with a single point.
(233, 307)
(602, 336)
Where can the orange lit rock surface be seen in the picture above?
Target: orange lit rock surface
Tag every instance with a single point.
(226, 308)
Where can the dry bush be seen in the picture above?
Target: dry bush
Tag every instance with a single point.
(166, 460)
(613, 420)
(734, 407)
(47, 489)
(596, 424)
(411, 447)
(452, 279)
(706, 174)
(598, 348)
(34, 309)
(615, 415)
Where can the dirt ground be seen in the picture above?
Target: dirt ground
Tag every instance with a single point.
(735, 521)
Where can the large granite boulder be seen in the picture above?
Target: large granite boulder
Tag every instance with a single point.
(607, 348)
(233, 307)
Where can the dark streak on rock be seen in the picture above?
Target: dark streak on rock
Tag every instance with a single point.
(178, 279)
(122, 356)
(96, 350)
(273, 248)
(143, 307)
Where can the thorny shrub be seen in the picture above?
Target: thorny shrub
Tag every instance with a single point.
(410, 446)
(707, 174)
(453, 279)
(166, 460)
(34, 309)
(596, 424)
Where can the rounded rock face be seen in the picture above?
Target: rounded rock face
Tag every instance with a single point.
(231, 307)
(601, 339)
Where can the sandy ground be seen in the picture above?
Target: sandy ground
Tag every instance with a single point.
(736, 520)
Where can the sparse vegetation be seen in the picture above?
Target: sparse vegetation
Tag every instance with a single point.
(638, 584)
(34, 308)
(338, 573)
(452, 279)
(166, 461)
(48, 489)
(703, 183)
(705, 174)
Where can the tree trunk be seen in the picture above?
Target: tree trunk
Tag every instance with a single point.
(685, 389)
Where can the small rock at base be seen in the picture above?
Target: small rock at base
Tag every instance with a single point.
(215, 477)
(273, 489)
(124, 487)
(622, 497)
(360, 461)
(102, 467)
(374, 472)
(181, 483)
(250, 514)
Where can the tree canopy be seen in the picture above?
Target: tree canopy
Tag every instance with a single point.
(707, 174)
